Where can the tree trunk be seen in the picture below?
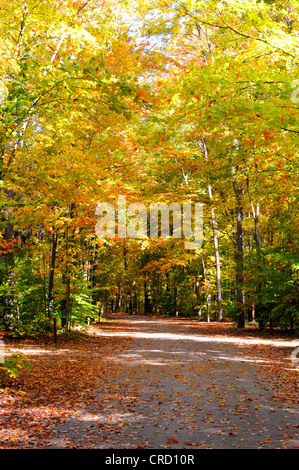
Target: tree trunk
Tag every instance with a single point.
(51, 274)
(147, 302)
(66, 278)
(239, 258)
(198, 299)
(8, 301)
(208, 296)
(176, 308)
(203, 147)
(66, 302)
(217, 259)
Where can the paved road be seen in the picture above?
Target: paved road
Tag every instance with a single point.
(176, 388)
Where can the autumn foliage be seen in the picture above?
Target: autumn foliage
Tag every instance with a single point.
(160, 101)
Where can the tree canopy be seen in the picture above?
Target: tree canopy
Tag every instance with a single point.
(162, 101)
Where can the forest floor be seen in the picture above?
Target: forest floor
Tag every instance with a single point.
(153, 382)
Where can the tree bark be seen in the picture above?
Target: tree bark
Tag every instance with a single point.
(208, 295)
(66, 301)
(239, 257)
(147, 300)
(197, 292)
(51, 274)
(203, 147)
(175, 298)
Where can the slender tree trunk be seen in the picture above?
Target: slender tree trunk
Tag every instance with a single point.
(217, 260)
(153, 297)
(135, 301)
(118, 298)
(203, 147)
(93, 274)
(66, 278)
(101, 313)
(147, 301)
(51, 274)
(175, 298)
(239, 257)
(9, 234)
(127, 286)
(129, 303)
(255, 213)
(197, 292)
(208, 295)
(55, 329)
(66, 301)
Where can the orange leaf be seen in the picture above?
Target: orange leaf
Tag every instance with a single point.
(172, 440)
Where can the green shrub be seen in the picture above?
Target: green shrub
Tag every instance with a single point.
(12, 366)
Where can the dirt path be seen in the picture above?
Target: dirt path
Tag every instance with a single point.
(176, 386)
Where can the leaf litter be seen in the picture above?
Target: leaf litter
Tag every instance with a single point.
(115, 391)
